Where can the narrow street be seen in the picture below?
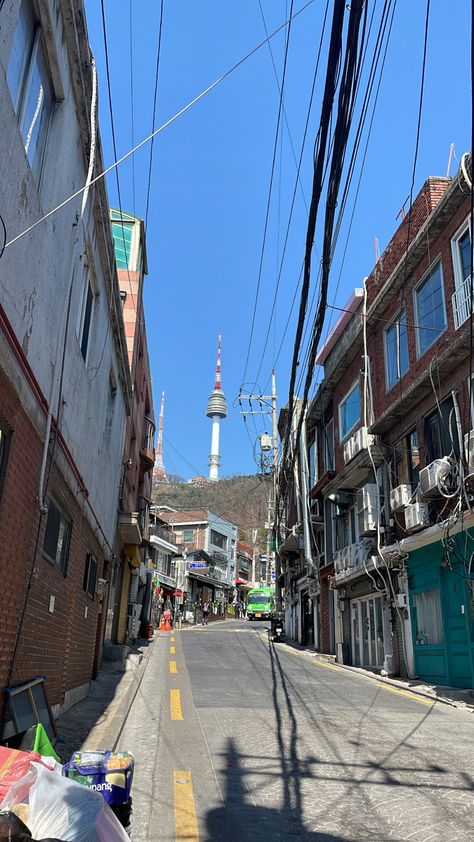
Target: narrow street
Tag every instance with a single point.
(239, 740)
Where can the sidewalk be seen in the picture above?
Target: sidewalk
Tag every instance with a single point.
(97, 721)
(457, 697)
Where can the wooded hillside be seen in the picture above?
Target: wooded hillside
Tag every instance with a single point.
(240, 499)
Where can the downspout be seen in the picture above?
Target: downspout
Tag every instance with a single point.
(304, 493)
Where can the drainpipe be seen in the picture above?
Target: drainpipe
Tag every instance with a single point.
(304, 494)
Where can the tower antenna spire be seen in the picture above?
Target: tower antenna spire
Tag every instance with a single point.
(159, 472)
(216, 409)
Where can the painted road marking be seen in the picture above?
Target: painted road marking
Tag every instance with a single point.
(185, 822)
(172, 650)
(413, 696)
(172, 639)
(175, 706)
(173, 667)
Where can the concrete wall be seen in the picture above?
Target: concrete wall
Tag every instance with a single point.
(38, 270)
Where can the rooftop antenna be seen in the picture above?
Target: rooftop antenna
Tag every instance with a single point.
(451, 153)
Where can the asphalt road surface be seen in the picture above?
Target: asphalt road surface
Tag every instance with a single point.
(237, 740)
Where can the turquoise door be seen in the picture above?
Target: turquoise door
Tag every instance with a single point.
(457, 628)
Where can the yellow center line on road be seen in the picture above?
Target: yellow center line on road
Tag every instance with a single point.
(172, 639)
(172, 650)
(175, 706)
(408, 695)
(173, 667)
(185, 822)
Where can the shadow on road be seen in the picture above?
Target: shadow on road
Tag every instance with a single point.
(241, 820)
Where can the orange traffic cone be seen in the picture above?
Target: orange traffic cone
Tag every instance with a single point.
(167, 624)
(162, 623)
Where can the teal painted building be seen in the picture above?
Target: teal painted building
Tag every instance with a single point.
(441, 591)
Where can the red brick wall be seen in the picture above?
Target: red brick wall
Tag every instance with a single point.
(324, 629)
(59, 645)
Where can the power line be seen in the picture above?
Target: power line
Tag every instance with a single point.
(112, 124)
(269, 197)
(161, 128)
(157, 71)
(303, 143)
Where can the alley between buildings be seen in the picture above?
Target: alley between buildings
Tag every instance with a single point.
(236, 739)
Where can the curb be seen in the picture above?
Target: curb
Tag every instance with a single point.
(400, 684)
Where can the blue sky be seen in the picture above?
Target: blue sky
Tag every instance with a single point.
(211, 177)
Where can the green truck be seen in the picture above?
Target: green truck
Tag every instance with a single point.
(261, 604)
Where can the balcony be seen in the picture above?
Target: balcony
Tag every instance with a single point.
(147, 450)
(351, 561)
(358, 470)
(163, 532)
(129, 527)
(460, 302)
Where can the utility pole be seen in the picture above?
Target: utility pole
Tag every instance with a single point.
(270, 402)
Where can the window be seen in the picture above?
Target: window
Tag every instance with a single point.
(430, 313)
(407, 460)
(396, 350)
(441, 432)
(188, 535)
(90, 575)
(122, 233)
(429, 625)
(57, 537)
(461, 249)
(349, 412)
(109, 413)
(86, 313)
(30, 86)
(329, 446)
(218, 540)
(4, 442)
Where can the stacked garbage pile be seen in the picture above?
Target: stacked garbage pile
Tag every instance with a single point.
(86, 800)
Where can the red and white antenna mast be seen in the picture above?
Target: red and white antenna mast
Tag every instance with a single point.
(159, 472)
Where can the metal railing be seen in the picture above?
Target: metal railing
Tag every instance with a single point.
(163, 532)
(460, 302)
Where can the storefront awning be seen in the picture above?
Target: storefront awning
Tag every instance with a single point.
(208, 580)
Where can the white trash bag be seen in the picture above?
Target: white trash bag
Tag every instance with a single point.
(63, 809)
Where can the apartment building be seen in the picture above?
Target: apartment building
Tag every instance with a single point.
(388, 426)
(65, 386)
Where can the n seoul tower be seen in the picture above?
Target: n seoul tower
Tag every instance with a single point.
(216, 409)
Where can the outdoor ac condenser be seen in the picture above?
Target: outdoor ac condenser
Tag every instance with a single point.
(416, 517)
(368, 508)
(469, 449)
(432, 475)
(400, 497)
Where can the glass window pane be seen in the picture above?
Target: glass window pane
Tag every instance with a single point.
(350, 411)
(122, 234)
(36, 110)
(464, 244)
(429, 625)
(430, 310)
(20, 54)
(414, 458)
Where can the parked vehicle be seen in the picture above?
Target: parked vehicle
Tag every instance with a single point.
(276, 631)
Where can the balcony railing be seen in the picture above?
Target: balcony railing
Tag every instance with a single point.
(351, 556)
(460, 300)
(163, 532)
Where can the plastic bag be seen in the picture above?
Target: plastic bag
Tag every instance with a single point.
(63, 809)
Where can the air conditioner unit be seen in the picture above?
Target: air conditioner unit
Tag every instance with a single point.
(469, 449)
(348, 450)
(362, 440)
(400, 497)
(432, 475)
(368, 508)
(416, 517)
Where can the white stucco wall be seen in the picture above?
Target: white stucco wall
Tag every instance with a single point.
(225, 527)
(36, 271)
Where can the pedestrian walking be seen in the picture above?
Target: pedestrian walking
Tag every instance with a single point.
(205, 613)
(237, 610)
